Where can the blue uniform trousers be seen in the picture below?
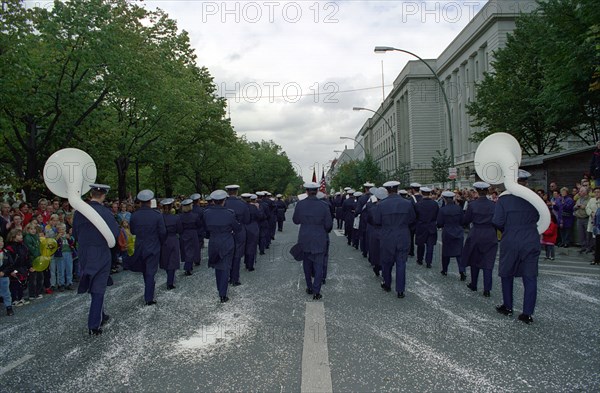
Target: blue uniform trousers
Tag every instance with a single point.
(421, 251)
(222, 276)
(313, 263)
(250, 260)
(149, 284)
(234, 273)
(364, 243)
(170, 277)
(280, 225)
(386, 274)
(487, 278)
(446, 262)
(529, 295)
(188, 266)
(96, 311)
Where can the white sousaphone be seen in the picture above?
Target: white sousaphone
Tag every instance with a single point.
(497, 161)
(68, 173)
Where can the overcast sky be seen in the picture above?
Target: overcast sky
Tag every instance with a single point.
(292, 71)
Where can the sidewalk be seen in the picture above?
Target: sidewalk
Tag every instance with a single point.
(569, 261)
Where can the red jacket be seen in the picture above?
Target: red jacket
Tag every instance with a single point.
(551, 233)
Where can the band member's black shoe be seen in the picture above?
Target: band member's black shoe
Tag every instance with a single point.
(309, 291)
(317, 296)
(376, 270)
(502, 309)
(486, 293)
(151, 303)
(444, 273)
(95, 332)
(385, 287)
(400, 295)
(224, 299)
(463, 277)
(472, 287)
(525, 318)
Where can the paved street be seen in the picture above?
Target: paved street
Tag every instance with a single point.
(272, 337)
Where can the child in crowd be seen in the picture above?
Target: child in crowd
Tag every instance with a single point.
(122, 244)
(548, 239)
(64, 258)
(6, 269)
(18, 252)
(50, 232)
(32, 242)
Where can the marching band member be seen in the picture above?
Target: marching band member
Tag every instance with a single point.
(394, 214)
(189, 240)
(314, 218)
(149, 229)
(222, 225)
(242, 214)
(520, 249)
(426, 230)
(94, 256)
(449, 219)
(170, 254)
(481, 245)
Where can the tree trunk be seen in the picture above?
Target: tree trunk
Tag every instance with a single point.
(168, 180)
(122, 163)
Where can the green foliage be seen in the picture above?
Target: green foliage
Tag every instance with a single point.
(120, 82)
(440, 165)
(355, 173)
(402, 174)
(539, 90)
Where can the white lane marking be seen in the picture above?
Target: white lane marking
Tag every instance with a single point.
(338, 232)
(14, 364)
(316, 374)
(571, 267)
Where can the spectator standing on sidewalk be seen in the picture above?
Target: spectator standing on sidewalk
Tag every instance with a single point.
(563, 208)
(590, 209)
(582, 219)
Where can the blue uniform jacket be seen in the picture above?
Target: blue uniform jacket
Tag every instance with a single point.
(281, 209)
(482, 243)
(148, 226)
(520, 243)
(221, 224)
(394, 215)
(337, 204)
(314, 218)
(94, 255)
(348, 208)
(450, 219)
(170, 255)
(199, 210)
(426, 228)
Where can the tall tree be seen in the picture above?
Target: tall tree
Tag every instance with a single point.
(539, 90)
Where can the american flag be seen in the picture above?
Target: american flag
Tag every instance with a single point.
(323, 185)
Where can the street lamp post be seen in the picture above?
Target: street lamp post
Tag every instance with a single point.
(352, 139)
(358, 108)
(383, 49)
